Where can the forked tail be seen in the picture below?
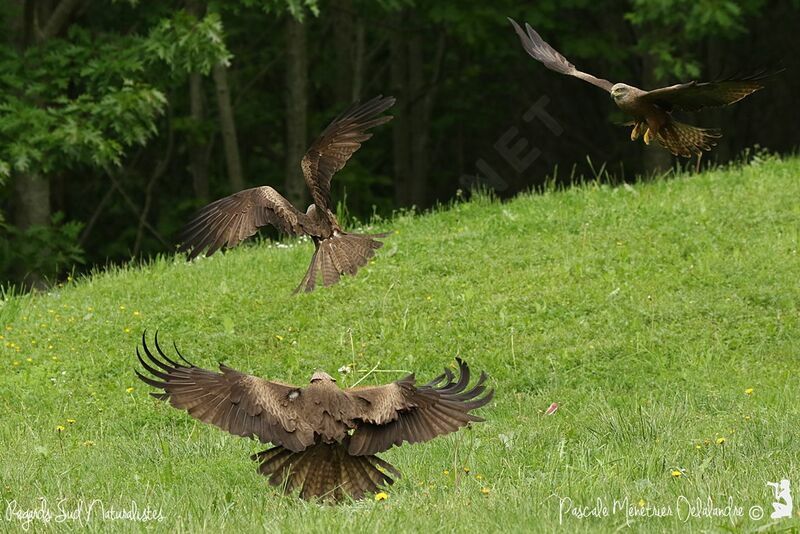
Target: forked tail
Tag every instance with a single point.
(341, 254)
(686, 140)
(325, 471)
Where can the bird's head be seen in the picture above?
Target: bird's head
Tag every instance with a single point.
(620, 90)
(321, 376)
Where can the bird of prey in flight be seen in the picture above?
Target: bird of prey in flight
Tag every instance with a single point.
(325, 438)
(652, 110)
(230, 220)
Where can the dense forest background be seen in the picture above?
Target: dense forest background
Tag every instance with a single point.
(118, 119)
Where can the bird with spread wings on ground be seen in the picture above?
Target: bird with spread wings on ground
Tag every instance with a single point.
(230, 220)
(652, 110)
(325, 438)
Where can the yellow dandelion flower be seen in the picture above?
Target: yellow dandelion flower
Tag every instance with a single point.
(642, 503)
(136, 313)
(747, 417)
(129, 390)
(2, 337)
(60, 428)
(54, 358)
(29, 360)
(382, 496)
(15, 363)
(446, 472)
(49, 346)
(127, 330)
(748, 391)
(698, 446)
(720, 441)
(478, 477)
(88, 443)
(485, 490)
(676, 474)
(71, 421)
(33, 342)
(278, 337)
(428, 297)
(466, 469)
(122, 307)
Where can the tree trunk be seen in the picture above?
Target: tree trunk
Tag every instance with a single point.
(228, 127)
(31, 189)
(198, 155)
(423, 94)
(419, 99)
(401, 125)
(358, 61)
(723, 118)
(296, 109)
(344, 46)
(197, 141)
(419, 139)
(32, 208)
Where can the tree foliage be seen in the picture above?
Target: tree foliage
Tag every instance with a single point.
(671, 29)
(121, 110)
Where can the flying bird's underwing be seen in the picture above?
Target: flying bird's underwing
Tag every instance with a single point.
(325, 438)
(230, 220)
(652, 110)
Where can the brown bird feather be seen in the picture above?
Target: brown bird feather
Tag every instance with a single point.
(652, 110)
(230, 220)
(325, 438)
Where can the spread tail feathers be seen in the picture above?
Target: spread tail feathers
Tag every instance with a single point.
(341, 254)
(686, 140)
(324, 471)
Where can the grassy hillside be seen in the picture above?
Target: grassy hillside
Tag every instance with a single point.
(664, 318)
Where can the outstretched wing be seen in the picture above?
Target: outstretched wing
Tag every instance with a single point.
(230, 220)
(694, 96)
(331, 150)
(241, 404)
(400, 411)
(542, 52)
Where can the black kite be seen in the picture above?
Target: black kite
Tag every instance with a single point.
(230, 220)
(325, 438)
(652, 110)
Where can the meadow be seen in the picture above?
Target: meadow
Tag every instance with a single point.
(663, 317)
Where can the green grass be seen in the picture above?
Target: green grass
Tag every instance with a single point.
(644, 311)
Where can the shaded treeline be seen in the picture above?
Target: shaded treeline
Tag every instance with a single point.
(124, 118)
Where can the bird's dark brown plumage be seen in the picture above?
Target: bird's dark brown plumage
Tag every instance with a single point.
(325, 437)
(652, 110)
(542, 52)
(230, 220)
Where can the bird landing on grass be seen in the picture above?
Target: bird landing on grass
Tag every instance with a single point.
(325, 438)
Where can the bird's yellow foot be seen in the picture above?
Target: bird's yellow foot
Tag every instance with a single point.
(637, 131)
